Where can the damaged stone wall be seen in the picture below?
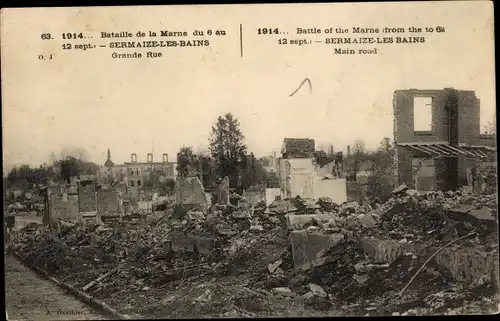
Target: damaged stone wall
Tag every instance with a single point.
(190, 191)
(63, 206)
(467, 131)
(87, 197)
(336, 189)
(107, 201)
(471, 265)
(298, 177)
(405, 171)
(468, 116)
(403, 111)
(446, 175)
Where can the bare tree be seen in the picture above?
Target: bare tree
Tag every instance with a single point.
(359, 146)
(491, 128)
(385, 144)
(77, 152)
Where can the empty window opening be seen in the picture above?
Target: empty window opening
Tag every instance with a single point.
(132, 183)
(424, 173)
(134, 158)
(422, 114)
(139, 183)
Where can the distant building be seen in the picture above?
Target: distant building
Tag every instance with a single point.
(270, 163)
(139, 173)
(112, 171)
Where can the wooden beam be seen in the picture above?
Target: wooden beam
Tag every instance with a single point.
(430, 149)
(441, 148)
(418, 148)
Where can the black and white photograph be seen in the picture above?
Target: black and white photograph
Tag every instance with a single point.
(249, 161)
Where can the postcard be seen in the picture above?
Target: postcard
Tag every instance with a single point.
(259, 160)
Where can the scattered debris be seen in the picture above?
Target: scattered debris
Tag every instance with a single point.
(211, 259)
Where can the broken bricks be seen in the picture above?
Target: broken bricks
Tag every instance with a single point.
(273, 266)
(311, 249)
(284, 292)
(317, 290)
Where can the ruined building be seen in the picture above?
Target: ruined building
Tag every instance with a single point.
(296, 168)
(139, 172)
(437, 138)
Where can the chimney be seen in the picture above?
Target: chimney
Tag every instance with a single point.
(133, 157)
(452, 106)
(348, 150)
(150, 158)
(165, 158)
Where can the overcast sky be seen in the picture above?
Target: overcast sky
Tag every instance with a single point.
(88, 99)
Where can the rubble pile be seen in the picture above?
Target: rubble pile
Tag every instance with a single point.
(248, 268)
(409, 216)
(437, 217)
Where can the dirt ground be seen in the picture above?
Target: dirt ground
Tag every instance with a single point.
(30, 297)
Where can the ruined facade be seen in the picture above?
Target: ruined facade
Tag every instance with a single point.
(139, 173)
(437, 138)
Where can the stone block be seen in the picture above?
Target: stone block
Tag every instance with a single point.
(368, 221)
(473, 266)
(308, 248)
(385, 251)
(298, 221)
(477, 217)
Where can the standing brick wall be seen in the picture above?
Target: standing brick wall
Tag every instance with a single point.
(404, 167)
(403, 111)
(469, 128)
(467, 117)
(465, 128)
